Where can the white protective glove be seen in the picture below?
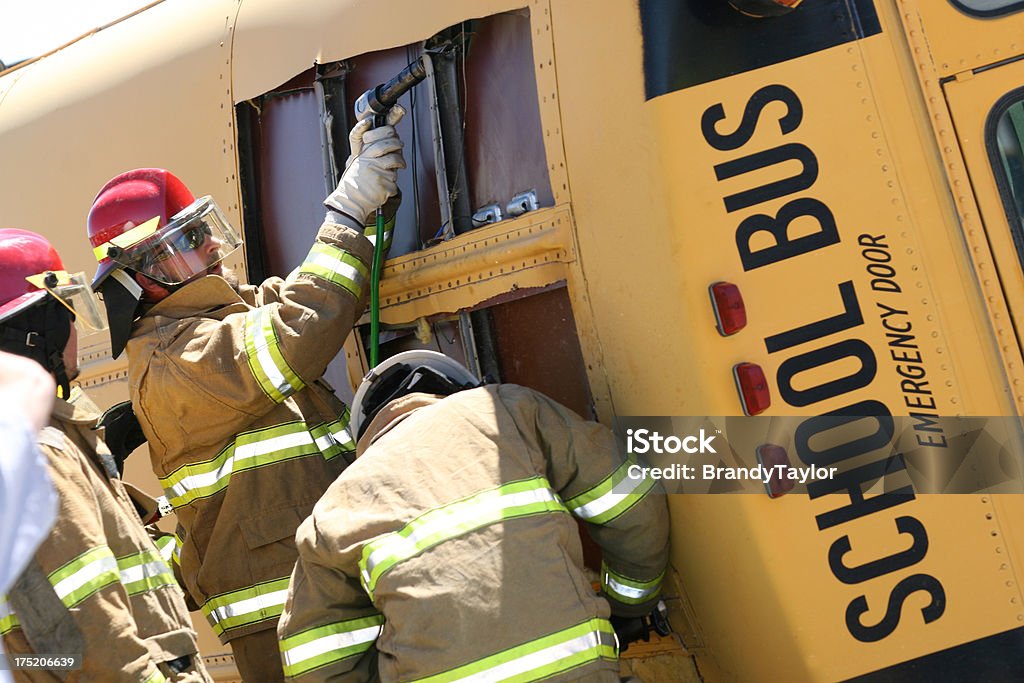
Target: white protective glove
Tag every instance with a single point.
(371, 172)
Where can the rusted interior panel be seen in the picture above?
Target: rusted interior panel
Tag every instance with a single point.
(538, 347)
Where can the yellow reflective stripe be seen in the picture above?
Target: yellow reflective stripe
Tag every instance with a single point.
(539, 659)
(370, 231)
(246, 606)
(627, 590)
(168, 547)
(143, 572)
(517, 499)
(335, 438)
(128, 238)
(266, 361)
(249, 450)
(616, 494)
(337, 266)
(324, 645)
(85, 575)
(155, 677)
(8, 619)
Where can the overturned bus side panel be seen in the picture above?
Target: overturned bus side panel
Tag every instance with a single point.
(806, 172)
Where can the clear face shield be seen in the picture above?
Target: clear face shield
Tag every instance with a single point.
(193, 243)
(73, 291)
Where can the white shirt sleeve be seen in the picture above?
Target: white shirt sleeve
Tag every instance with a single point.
(28, 501)
(28, 504)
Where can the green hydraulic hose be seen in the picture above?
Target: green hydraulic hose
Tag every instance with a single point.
(375, 268)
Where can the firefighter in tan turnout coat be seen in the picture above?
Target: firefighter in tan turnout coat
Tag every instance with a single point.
(225, 379)
(449, 549)
(97, 586)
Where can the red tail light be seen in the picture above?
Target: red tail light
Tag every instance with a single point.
(727, 302)
(770, 455)
(753, 388)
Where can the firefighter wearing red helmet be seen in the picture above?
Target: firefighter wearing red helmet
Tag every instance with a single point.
(39, 301)
(226, 378)
(97, 585)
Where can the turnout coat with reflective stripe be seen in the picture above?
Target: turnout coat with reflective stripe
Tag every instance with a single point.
(97, 586)
(449, 550)
(243, 434)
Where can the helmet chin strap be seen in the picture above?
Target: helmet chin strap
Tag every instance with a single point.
(122, 300)
(41, 333)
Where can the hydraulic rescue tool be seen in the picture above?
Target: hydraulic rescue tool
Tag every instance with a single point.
(376, 102)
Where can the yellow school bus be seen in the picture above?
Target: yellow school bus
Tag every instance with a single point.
(641, 208)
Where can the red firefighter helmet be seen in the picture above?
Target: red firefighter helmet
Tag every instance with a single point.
(146, 221)
(30, 268)
(22, 255)
(38, 301)
(129, 200)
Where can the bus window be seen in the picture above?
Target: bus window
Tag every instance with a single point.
(988, 8)
(1006, 150)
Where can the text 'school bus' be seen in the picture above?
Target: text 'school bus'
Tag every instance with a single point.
(643, 208)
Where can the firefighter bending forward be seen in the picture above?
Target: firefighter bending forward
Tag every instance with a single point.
(97, 586)
(449, 549)
(225, 379)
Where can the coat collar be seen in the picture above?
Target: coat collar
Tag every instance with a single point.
(391, 414)
(78, 408)
(205, 294)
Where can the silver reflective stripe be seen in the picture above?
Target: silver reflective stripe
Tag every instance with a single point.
(246, 606)
(150, 570)
(609, 500)
(249, 605)
(265, 358)
(535, 660)
(8, 620)
(241, 453)
(330, 441)
(373, 237)
(266, 361)
(167, 545)
(451, 521)
(539, 659)
(333, 439)
(337, 266)
(338, 641)
(628, 591)
(91, 577)
(325, 645)
(341, 437)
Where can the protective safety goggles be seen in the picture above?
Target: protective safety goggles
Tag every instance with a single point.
(195, 240)
(74, 292)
